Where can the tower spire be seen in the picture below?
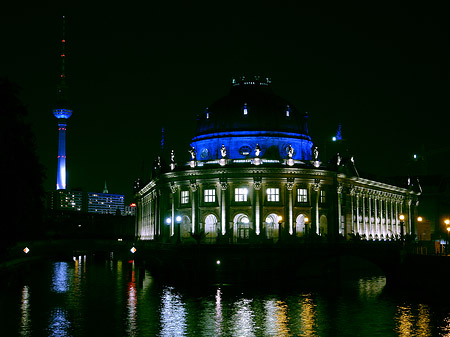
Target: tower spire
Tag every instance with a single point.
(62, 114)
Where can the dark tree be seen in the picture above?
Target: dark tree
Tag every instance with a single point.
(22, 194)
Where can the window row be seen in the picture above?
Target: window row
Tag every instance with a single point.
(241, 195)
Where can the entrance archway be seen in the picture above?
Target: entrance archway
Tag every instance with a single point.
(241, 228)
(272, 227)
(300, 226)
(211, 228)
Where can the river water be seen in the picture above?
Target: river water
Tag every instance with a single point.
(88, 297)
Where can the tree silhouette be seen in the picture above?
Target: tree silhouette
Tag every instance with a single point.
(22, 194)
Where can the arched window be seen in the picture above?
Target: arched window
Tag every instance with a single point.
(272, 226)
(211, 228)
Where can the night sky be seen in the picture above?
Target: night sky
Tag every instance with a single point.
(381, 72)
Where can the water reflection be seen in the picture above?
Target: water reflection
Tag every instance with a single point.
(81, 298)
(276, 319)
(59, 324)
(370, 287)
(60, 282)
(132, 303)
(413, 321)
(308, 316)
(25, 321)
(173, 313)
(243, 323)
(218, 310)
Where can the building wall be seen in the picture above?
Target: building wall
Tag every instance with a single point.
(352, 206)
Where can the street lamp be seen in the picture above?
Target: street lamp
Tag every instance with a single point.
(306, 225)
(402, 222)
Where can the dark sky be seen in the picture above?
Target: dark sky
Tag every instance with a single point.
(381, 72)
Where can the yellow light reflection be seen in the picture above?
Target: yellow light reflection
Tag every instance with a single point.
(411, 322)
(308, 316)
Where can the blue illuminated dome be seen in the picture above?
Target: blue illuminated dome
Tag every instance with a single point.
(250, 115)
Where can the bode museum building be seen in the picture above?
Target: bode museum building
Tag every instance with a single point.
(255, 176)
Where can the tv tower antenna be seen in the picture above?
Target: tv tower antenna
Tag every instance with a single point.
(62, 113)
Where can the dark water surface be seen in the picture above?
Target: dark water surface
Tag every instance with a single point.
(85, 297)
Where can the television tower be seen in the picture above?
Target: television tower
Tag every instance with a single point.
(62, 114)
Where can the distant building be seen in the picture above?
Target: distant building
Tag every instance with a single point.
(105, 203)
(255, 176)
(90, 202)
(66, 200)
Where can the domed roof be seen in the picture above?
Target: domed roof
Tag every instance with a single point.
(251, 105)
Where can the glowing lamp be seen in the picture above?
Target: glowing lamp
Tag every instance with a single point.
(178, 218)
(334, 139)
(133, 205)
(420, 219)
(218, 262)
(168, 221)
(402, 217)
(133, 250)
(447, 222)
(280, 218)
(306, 220)
(26, 250)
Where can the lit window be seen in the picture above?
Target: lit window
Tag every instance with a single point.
(322, 197)
(184, 197)
(240, 194)
(210, 195)
(273, 194)
(302, 195)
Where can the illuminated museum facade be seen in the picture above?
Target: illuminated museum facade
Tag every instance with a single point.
(255, 176)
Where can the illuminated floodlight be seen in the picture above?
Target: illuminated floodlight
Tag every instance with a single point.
(168, 221)
(26, 250)
(178, 218)
(218, 262)
(334, 138)
(415, 156)
(133, 250)
(120, 240)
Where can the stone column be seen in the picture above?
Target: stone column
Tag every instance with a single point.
(316, 188)
(223, 206)
(257, 189)
(339, 211)
(352, 196)
(358, 227)
(173, 190)
(290, 187)
(194, 189)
